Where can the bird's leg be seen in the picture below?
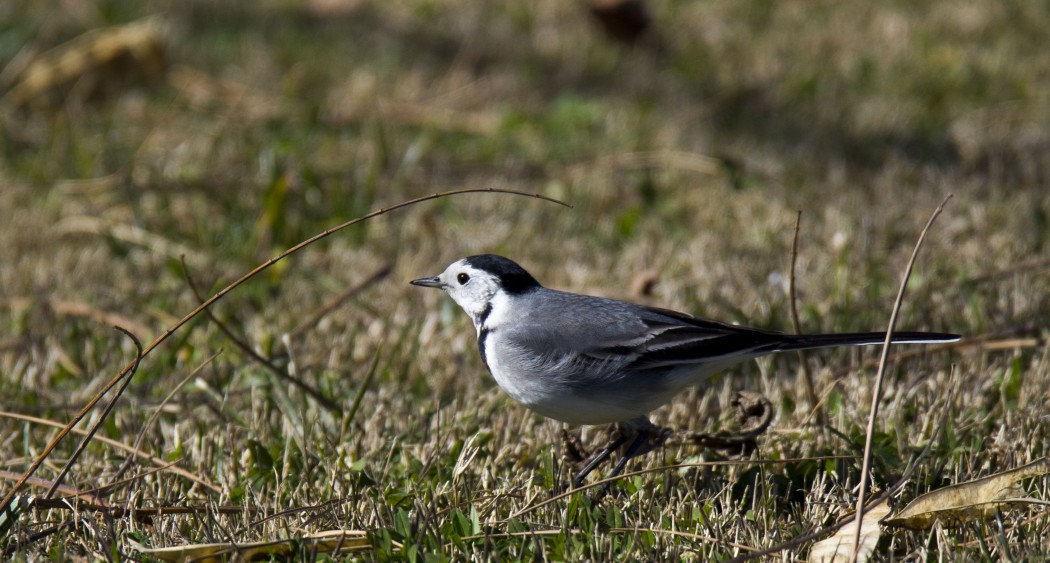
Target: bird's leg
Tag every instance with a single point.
(646, 439)
(633, 450)
(573, 450)
(644, 436)
(616, 440)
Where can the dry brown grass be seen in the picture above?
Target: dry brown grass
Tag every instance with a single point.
(277, 121)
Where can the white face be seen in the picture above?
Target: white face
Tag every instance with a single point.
(471, 288)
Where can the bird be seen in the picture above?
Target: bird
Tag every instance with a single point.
(587, 360)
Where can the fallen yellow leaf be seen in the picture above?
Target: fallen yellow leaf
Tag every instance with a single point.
(975, 500)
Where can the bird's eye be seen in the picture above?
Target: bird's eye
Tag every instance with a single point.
(462, 279)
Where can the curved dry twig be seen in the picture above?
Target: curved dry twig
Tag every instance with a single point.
(876, 394)
(807, 376)
(9, 497)
(152, 419)
(340, 299)
(94, 428)
(913, 466)
(246, 348)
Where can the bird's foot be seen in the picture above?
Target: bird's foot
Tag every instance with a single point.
(578, 456)
(615, 438)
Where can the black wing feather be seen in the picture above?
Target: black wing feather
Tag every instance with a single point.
(679, 338)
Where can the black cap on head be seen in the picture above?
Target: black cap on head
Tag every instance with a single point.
(512, 277)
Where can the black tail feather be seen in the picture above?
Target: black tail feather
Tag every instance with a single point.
(808, 341)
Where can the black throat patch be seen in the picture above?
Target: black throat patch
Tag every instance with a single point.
(482, 336)
(484, 315)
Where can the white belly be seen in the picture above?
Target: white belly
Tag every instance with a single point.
(571, 404)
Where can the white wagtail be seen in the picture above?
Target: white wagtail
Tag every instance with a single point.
(591, 360)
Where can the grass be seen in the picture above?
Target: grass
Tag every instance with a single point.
(277, 120)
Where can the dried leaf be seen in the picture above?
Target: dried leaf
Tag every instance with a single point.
(975, 500)
(839, 547)
(331, 541)
(135, 52)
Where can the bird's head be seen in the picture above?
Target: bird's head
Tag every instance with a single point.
(474, 282)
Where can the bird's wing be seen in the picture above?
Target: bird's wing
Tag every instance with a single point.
(674, 339)
(596, 334)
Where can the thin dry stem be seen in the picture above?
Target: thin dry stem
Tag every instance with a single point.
(908, 472)
(336, 302)
(129, 369)
(807, 377)
(105, 413)
(247, 349)
(876, 394)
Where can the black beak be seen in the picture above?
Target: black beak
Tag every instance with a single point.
(428, 282)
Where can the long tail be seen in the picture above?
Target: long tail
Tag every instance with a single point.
(808, 341)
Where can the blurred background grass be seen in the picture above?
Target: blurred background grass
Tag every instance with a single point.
(227, 132)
